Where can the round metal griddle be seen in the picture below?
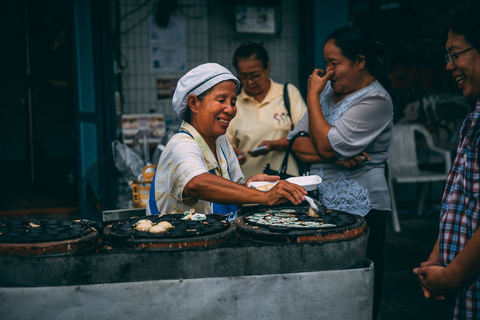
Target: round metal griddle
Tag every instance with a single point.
(40, 237)
(214, 231)
(268, 225)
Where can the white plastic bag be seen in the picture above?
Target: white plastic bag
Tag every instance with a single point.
(127, 161)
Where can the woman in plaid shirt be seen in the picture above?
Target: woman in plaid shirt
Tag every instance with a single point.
(453, 268)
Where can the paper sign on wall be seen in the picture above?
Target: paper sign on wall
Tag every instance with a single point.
(151, 126)
(168, 46)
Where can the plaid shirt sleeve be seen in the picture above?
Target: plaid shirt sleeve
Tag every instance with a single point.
(459, 216)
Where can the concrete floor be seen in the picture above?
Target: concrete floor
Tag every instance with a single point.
(402, 297)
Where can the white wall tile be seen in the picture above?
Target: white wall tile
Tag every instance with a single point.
(211, 37)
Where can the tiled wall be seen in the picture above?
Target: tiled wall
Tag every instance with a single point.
(211, 37)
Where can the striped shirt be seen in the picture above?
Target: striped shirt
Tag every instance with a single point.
(459, 215)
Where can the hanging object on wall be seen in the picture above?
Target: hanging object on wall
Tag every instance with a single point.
(164, 9)
(166, 88)
(257, 19)
(168, 45)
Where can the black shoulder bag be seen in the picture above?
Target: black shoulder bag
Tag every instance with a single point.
(286, 100)
(303, 168)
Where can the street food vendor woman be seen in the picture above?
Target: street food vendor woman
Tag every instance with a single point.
(198, 168)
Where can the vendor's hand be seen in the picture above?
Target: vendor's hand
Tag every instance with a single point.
(285, 191)
(318, 80)
(262, 177)
(355, 161)
(268, 147)
(435, 280)
(240, 155)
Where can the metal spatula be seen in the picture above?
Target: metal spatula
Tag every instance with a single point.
(316, 206)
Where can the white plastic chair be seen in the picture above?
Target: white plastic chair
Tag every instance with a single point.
(403, 164)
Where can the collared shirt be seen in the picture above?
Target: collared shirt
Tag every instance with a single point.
(361, 122)
(459, 215)
(266, 120)
(186, 156)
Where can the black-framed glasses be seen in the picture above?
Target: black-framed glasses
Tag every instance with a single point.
(450, 57)
(254, 77)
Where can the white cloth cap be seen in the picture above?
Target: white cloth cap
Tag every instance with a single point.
(197, 81)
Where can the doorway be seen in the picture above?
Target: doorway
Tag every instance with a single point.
(37, 118)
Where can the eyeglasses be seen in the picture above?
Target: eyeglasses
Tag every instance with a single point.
(254, 77)
(450, 57)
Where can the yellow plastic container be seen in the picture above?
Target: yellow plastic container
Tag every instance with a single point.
(149, 172)
(141, 189)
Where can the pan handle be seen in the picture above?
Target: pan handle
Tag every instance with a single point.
(279, 229)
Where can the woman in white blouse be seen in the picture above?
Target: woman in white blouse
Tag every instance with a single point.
(350, 119)
(198, 168)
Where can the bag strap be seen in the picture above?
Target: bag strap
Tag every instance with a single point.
(286, 100)
(283, 167)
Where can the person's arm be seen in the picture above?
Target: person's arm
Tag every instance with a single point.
(317, 124)
(466, 264)
(359, 126)
(440, 280)
(433, 260)
(241, 157)
(213, 188)
(305, 151)
(297, 110)
(270, 145)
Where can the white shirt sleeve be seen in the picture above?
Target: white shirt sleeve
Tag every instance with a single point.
(302, 125)
(360, 125)
(187, 162)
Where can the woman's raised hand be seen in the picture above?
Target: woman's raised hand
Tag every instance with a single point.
(318, 80)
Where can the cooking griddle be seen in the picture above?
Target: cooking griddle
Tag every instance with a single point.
(288, 219)
(48, 237)
(181, 228)
(44, 230)
(269, 225)
(213, 231)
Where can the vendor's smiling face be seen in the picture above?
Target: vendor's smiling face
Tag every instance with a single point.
(212, 112)
(347, 77)
(466, 68)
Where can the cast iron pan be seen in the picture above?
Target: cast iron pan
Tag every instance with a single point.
(214, 223)
(43, 230)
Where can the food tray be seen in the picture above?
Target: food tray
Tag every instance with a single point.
(295, 218)
(310, 183)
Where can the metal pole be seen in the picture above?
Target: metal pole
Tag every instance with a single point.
(29, 97)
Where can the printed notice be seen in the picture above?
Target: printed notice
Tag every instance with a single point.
(168, 46)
